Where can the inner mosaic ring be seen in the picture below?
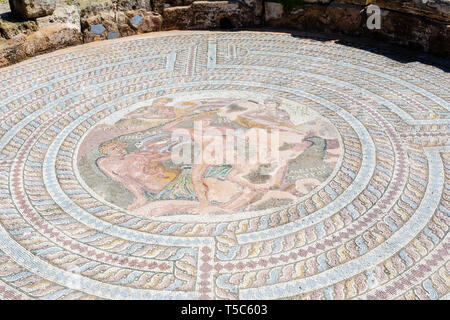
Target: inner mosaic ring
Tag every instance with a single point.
(204, 96)
(61, 140)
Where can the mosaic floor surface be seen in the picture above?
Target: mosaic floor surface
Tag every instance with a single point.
(355, 204)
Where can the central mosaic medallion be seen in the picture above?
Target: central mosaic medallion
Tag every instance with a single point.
(208, 153)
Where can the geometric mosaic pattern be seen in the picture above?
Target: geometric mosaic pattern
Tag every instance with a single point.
(376, 229)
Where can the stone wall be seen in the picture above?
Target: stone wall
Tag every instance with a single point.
(420, 24)
(37, 26)
(38, 30)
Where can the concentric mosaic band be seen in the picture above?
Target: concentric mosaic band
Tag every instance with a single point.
(361, 212)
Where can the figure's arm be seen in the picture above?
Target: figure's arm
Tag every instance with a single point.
(136, 189)
(235, 176)
(131, 185)
(164, 156)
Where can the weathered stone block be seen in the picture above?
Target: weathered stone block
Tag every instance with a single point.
(177, 17)
(98, 25)
(312, 17)
(208, 15)
(110, 24)
(412, 31)
(47, 39)
(11, 27)
(273, 11)
(345, 18)
(66, 14)
(124, 5)
(144, 21)
(31, 9)
(221, 14)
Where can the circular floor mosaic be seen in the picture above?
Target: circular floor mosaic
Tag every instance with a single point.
(209, 165)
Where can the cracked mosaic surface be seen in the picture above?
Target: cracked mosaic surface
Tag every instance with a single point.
(374, 226)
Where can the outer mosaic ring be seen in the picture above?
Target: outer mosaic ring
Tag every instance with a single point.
(377, 228)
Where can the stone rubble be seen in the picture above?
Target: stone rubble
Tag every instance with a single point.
(31, 9)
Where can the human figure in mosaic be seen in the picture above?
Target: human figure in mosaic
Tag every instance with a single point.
(263, 181)
(251, 179)
(151, 182)
(202, 187)
(141, 172)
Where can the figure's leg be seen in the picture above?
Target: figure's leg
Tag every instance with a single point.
(279, 176)
(220, 191)
(249, 193)
(245, 198)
